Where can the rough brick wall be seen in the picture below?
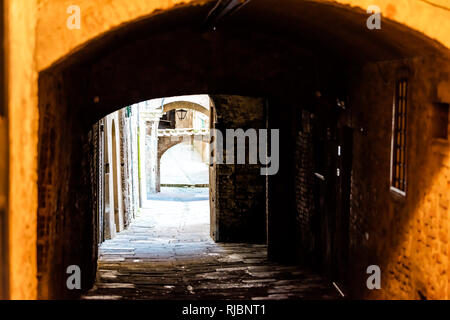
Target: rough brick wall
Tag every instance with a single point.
(240, 189)
(406, 236)
(304, 177)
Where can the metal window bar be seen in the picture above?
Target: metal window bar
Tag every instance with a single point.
(399, 159)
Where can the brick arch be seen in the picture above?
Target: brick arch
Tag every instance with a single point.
(84, 86)
(186, 105)
(164, 144)
(112, 51)
(100, 17)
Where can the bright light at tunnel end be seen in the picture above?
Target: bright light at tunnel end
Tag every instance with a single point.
(258, 148)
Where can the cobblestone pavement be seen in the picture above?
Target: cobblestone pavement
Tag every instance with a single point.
(166, 253)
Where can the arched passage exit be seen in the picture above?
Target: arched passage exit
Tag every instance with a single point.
(193, 171)
(301, 68)
(168, 139)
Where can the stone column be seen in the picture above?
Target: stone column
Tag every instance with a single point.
(134, 159)
(125, 173)
(150, 119)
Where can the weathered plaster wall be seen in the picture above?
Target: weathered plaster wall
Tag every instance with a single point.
(151, 157)
(187, 122)
(304, 186)
(23, 113)
(431, 18)
(114, 214)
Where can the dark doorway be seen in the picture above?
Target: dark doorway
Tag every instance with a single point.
(333, 152)
(344, 153)
(324, 198)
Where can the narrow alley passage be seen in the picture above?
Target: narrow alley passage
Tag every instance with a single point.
(166, 253)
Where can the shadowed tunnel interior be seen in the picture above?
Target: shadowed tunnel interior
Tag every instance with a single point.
(314, 71)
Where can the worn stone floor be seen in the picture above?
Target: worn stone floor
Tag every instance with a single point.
(166, 253)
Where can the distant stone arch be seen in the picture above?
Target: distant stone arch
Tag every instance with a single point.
(185, 105)
(164, 144)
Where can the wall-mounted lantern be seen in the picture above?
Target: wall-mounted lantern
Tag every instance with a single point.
(181, 114)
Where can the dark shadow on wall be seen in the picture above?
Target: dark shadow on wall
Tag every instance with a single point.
(4, 160)
(66, 220)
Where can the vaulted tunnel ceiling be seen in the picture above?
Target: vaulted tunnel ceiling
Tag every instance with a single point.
(250, 52)
(329, 30)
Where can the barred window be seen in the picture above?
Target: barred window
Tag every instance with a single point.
(398, 180)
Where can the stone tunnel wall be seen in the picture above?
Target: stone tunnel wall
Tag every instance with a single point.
(406, 236)
(239, 189)
(304, 177)
(65, 205)
(100, 17)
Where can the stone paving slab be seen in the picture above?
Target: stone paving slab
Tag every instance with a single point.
(155, 258)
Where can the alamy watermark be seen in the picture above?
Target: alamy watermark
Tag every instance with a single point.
(257, 152)
(374, 20)
(74, 20)
(262, 149)
(74, 280)
(235, 150)
(374, 280)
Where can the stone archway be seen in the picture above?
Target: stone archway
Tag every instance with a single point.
(62, 127)
(100, 17)
(186, 105)
(169, 139)
(165, 142)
